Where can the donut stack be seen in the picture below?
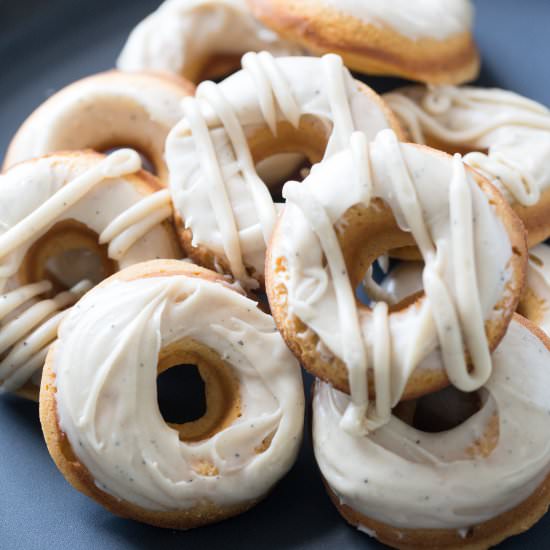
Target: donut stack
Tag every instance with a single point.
(397, 272)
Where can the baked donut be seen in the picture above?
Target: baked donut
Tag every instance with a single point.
(469, 487)
(506, 136)
(390, 195)
(102, 112)
(199, 39)
(224, 211)
(69, 219)
(99, 410)
(429, 41)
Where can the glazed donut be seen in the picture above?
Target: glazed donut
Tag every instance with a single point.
(105, 111)
(469, 487)
(506, 136)
(224, 211)
(198, 39)
(429, 41)
(67, 218)
(99, 410)
(389, 195)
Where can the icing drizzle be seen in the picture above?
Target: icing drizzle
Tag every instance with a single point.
(515, 130)
(29, 326)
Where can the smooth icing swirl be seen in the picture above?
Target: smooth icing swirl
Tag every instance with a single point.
(106, 367)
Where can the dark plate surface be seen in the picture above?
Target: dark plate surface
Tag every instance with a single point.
(45, 45)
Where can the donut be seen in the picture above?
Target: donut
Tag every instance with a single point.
(68, 221)
(198, 39)
(469, 487)
(430, 41)
(506, 138)
(99, 410)
(102, 112)
(223, 210)
(390, 195)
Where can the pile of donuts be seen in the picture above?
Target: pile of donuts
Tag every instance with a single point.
(146, 213)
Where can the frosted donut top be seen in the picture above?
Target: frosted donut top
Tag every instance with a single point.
(214, 184)
(57, 124)
(452, 221)
(182, 33)
(412, 479)
(34, 196)
(513, 130)
(105, 362)
(418, 19)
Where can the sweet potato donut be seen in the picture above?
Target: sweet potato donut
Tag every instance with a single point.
(68, 221)
(199, 39)
(506, 138)
(224, 211)
(430, 41)
(99, 410)
(469, 487)
(390, 195)
(105, 111)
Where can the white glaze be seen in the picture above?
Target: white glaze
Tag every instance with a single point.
(110, 98)
(426, 19)
(411, 479)
(215, 187)
(514, 131)
(92, 190)
(466, 254)
(182, 33)
(107, 403)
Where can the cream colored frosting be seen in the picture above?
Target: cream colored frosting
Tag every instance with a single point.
(514, 132)
(92, 110)
(407, 478)
(466, 253)
(91, 190)
(182, 33)
(106, 365)
(214, 184)
(426, 19)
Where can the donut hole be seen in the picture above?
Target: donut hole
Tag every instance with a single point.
(290, 153)
(277, 169)
(108, 123)
(219, 390)
(181, 394)
(365, 234)
(65, 255)
(443, 410)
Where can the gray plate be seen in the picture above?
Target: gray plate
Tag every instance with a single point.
(46, 45)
